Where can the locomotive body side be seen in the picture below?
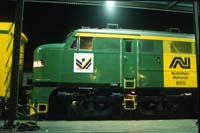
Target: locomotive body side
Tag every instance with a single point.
(96, 69)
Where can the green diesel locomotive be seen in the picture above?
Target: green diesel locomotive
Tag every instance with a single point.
(96, 72)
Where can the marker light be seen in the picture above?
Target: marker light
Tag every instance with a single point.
(38, 63)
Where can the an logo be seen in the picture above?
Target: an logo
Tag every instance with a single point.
(182, 63)
(83, 62)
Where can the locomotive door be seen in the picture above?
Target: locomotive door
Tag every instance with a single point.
(129, 63)
(78, 60)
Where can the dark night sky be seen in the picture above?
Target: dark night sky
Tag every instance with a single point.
(48, 23)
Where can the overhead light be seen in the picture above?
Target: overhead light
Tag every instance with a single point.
(110, 3)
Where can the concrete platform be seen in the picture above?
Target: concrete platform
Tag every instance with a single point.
(116, 126)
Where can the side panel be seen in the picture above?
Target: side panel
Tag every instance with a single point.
(107, 60)
(150, 64)
(106, 68)
(179, 65)
(98, 65)
(51, 57)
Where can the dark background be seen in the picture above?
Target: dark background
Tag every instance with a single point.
(49, 23)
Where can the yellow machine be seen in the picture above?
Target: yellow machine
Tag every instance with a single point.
(6, 48)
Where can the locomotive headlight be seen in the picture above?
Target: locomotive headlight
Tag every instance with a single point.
(38, 63)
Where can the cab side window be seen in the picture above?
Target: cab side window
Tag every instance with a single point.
(181, 47)
(146, 46)
(107, 44)
(128, 44)
(86, 43)
(74, 44)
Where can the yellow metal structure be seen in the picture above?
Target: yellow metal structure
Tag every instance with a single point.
(180, 64)
(129, 102)
(129, 83)
(42, 108)
(6, 48)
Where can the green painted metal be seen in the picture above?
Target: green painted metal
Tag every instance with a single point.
(51, 55)
(59, 63)
(40, 95)
(106, 65)
(129, 59)
(150, 63)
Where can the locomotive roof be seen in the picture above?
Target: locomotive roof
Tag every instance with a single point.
(136, 32)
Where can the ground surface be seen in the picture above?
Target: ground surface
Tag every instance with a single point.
(116, 126)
